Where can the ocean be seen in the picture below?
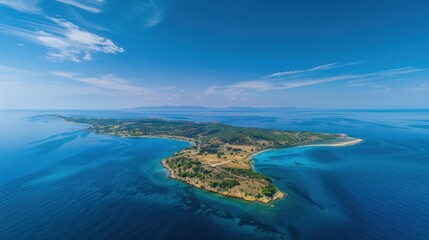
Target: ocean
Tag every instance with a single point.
(59, 181)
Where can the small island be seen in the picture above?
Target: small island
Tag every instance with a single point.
(220, 157)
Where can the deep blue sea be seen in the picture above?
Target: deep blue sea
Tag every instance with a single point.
(59, 181)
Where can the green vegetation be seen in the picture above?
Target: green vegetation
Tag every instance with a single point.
(219, 159)
(269, 190)
(247, 173)
(228, 184)
(204, 132)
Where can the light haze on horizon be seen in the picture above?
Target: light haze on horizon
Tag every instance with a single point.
(87, 54)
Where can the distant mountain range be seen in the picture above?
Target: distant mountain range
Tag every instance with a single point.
(211, 108)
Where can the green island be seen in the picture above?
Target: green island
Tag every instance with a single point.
(220, 157)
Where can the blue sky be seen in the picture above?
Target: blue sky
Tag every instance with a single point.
(113, 54)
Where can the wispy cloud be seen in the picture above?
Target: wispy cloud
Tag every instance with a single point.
(146, 14)
(286, 73)
(294, 79)
(65, 41)
(313, 69)
(156, 15)
(31, 5)
(9, 73)
(154, 19)
(90, 6)
(28, 88)
(107, 82)
(22, 5)
(35, 88)
(375, 79)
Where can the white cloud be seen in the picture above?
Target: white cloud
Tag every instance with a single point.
(87, 39)
(211, 90)
(403, 70)
(154, 19)
(317, 68)
(280, 74)
(87, 57)
(29, 88)
(52, 41)
(107, 82)
(22, 5)
(148, 12)
(65, 41)
(84, 5)
(323, 67)
(277, 81)
(156, 16)
(310, 70)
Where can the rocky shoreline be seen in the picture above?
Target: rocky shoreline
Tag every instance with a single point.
(278, 195)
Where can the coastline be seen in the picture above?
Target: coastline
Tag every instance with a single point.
(199, 165)
(165, 137)
(278, 195)
(338, 144)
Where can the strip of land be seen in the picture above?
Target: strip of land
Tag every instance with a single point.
(220, 158)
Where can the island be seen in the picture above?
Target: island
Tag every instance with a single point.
(219, 159)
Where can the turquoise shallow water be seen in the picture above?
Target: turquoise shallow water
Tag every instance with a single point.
(59, 181)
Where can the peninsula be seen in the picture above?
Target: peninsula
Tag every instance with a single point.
(220, 157)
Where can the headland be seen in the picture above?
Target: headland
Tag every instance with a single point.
(220, 157)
